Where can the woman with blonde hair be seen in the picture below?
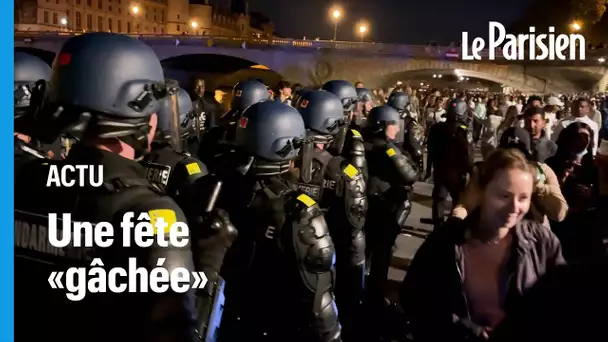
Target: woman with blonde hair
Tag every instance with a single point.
(466, 276)
(548, 202)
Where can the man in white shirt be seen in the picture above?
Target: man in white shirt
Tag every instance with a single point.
(581, 109)
(555, 104)
(595, 114)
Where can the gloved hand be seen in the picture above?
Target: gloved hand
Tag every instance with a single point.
(211, 240)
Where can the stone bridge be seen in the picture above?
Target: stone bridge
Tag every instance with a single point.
(304, 63)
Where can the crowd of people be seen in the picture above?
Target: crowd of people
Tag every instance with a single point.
(295, 197)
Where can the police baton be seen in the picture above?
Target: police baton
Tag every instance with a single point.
(210, 303)
(215, 194)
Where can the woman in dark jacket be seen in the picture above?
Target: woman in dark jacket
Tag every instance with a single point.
(469, 273)
(575, 169)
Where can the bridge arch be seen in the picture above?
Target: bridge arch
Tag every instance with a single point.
(219, 71)
(520, 84)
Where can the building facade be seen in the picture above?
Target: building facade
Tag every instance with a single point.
(173, 17)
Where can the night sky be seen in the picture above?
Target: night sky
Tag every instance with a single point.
(391, 21)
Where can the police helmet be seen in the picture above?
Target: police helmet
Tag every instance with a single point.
(271, 130)
(246, 93)
(322, 112)
(108, 74)
(363, 94)
(28, 70)
(383, 115)
(297, 96)
(345, 91)
(457, 107)
(398, 100)
(184, 104)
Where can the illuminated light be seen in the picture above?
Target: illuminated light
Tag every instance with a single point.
(64, 59)
(399, 83)
(63, 21)
(135, 9)
(439, 76)
(601, 59)
(434, 76)
(194, 24)
(576, 25)
(336, 14)
(259, 66)
(422, 84)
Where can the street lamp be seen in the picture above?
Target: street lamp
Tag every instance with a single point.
(135, 10)
(63, 22)
(194, 25)
(576, 26)
(336, 15)
(601, 59)
(363, 29)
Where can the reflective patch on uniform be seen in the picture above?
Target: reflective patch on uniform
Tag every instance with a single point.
(243, 122)
(304, 103)
(167, 215)
(390, 152)
(193, 169)
(157, 173)
(464, 127)
(355, 132)
(309, 202)
(350, 171)
(312, 190)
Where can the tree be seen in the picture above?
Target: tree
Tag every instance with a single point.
(589, 11)
(560, 14)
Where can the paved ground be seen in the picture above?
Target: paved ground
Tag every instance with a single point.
(407, 243)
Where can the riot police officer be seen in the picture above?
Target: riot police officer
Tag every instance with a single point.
(392, 173)
(244, 94)
(168, 159)
(339, 187)
(186, 180)
(348, 142)
(219, 140)
(411, 134)
(115, 129)
(450, 155)
(30, 74)
(280, 273)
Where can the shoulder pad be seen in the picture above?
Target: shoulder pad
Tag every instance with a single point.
(339, 168)
(193, 166)
(358, 145)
